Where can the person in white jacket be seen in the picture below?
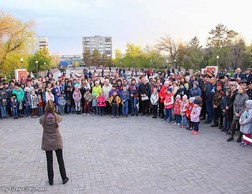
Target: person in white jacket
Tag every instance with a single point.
(154, 102)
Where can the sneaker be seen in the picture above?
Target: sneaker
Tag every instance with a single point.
(230, 139)
(117, 116)
(245, 145)
(84, 114)
(113, 117)
(65, 181)
(242, 144)
(193, 131)
(87, 114)
(178, 124)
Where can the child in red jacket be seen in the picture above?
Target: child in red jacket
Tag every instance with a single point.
(101, 103)
(176, 109)
(188, 112)
(168, 104)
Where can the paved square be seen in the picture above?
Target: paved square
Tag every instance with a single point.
(125, 155)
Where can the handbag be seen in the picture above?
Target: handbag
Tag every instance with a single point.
(143, 98)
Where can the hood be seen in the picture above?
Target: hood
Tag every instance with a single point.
(249, 102)
(50, 119)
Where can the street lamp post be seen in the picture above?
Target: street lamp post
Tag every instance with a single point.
(37, 67)
(175, 65)
(45, 67)
(217, 58)
(21, 61)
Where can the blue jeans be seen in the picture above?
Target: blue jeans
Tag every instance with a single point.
(209, 107)
(168, 112)
(28, 110)
(40, 110)
(134, 102)
(15, 112)
(184, 120)
(125, 108)
(3, 111)
(178, 118)
(101, 110)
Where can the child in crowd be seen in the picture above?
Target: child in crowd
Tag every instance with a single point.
(94, 104)
(34, 104)
(115, 101)
(168, 104)
(188, 112)
(68, 99)
(246, 122)
(183, 107)
(3, 101)
(88, 98)
(14, 106)
(101, 103)
(124, 95)
(176, 110)
(224, 104)
(40, 103)
(195, 116)
(56, 101)
(27, 102)
(154, 102)
(77, 99)
(62, 103)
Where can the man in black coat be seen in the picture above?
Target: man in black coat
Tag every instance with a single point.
(145, 93)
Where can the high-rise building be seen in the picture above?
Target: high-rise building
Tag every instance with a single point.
(102, 43)
(38, 43)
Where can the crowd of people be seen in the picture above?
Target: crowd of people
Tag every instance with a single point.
(180, 99)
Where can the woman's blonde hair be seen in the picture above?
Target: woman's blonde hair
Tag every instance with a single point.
(49, 109)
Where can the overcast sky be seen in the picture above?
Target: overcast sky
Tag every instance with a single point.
(142, 22)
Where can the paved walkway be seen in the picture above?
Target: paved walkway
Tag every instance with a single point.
(125, 155)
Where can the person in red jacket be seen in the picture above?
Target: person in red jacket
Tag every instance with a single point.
(168, 104)
(189, 111)
(101, 103)
(162, 95)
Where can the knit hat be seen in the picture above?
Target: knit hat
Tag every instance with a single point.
(192, 99)
(169, 89)
(196, 102)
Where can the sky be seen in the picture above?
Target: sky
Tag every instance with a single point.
(142, 22)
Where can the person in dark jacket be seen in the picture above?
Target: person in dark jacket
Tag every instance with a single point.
(52, 140)
(145, 93)
(210, 90)
(217, 98)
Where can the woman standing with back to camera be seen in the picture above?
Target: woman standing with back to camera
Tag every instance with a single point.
(52, 140)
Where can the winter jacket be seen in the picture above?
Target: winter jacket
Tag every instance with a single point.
(77, 95)
(183, 107)
(124, 95)
(62, 101)
(97, 90)
(210, 90)
(195, 92)
(115, 99)
(106, 89)
(88, 97)
(162, 93)
(101, 101)
(154, 98)
(27, 99)
(189, 110)
(176, 108)
(3, 97)
(217, 98)
(195, 114)
(34, 101)
(19, 93)
(246, 119)
(145, 89)
(239, 104)
(133, 88)
(51, 139)
(169, 101)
